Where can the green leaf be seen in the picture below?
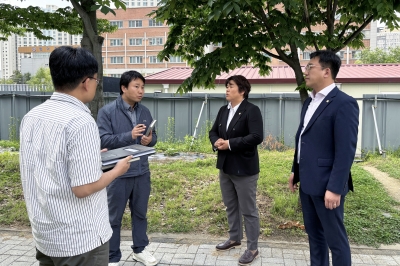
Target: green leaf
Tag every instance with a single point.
(94, 7)
(226, 5)
(237, 8)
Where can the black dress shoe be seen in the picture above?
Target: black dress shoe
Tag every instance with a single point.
(248, 257)
(227, 245)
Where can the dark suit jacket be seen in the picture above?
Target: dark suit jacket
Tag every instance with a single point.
(245, 132)
(328, 145)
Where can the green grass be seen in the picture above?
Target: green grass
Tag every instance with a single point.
(389, 165)
(12, 204)
(365, 211)
(9, 144)
(186, 197)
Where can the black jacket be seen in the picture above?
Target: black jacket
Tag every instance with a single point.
(244, 133)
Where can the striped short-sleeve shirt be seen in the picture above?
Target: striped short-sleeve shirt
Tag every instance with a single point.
(60, 149)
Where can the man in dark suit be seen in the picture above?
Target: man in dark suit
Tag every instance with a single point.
(325, 147)
(236, 132)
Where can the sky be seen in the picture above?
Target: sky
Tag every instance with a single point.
(42, 3)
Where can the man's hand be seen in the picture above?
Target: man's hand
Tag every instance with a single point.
(138, 130)
(222, 144)
(292, 187)
(123, 165)
(332, 200)
(146, 139)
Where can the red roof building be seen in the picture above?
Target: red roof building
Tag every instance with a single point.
(378, 73)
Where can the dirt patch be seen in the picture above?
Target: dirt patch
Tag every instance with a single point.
(391, 184)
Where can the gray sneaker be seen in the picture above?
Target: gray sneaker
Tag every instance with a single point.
(145, 257)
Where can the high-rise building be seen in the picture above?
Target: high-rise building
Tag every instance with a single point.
(386, 38)
(8, 59)
(27, 53)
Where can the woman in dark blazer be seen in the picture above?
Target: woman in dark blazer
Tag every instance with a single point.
(236, 132)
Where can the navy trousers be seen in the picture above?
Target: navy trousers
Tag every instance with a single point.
(137, 190)
(325, 231)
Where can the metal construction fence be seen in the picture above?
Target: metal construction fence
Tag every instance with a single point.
(25, 87)
(281, 113)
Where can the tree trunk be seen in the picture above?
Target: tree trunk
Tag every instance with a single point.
(299, 80)
(95, 49)
(93, 43)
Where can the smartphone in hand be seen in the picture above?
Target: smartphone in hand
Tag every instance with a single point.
(150, 128)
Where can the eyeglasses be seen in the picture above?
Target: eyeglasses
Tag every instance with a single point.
(97, 81)
(309, 66)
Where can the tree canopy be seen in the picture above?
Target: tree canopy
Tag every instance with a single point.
(18, 78)
(253, 31)
(81, 19)
(378, 56)
(42, 77)
(33, 19)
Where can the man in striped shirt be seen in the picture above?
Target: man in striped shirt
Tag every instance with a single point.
(64, 186)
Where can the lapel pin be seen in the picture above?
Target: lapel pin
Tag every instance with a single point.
(327, 101)
(240, 113)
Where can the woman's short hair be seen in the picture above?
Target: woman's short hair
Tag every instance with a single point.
(242, 83)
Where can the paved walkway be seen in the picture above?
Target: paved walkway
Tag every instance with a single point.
(16, 248)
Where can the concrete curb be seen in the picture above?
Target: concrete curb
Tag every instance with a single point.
(201, 239)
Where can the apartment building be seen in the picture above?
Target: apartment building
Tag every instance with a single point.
(387, 38)
(27, 53)
(136, 43)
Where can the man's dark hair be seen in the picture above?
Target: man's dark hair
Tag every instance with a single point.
(328, 59)
(242, 83)
(127, 77)
(69, 66)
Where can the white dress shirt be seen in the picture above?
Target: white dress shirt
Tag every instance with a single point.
(60, 149)
(316, 100)
(232, 111)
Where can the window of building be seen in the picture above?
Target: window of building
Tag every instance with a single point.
(154, 60)
(117, 60)
(135, 41)
(306, 55)
(175, 59)
(367, 34)
(356, 54)
(116, 42)
(135, 23)
(144, 2)
(136, 60)
(154, 23)
(118, 23)
(115, 75)
(156, 41)
(340, 54)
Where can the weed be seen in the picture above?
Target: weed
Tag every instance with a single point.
(14, 145)
(13, 129)
(271, 143)
(170, 130)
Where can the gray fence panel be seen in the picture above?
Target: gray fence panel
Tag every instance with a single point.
(280, 112)
(5, 114)
(290, 119)
(387, 118)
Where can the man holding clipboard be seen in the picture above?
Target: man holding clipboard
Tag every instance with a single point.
(122, 123)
